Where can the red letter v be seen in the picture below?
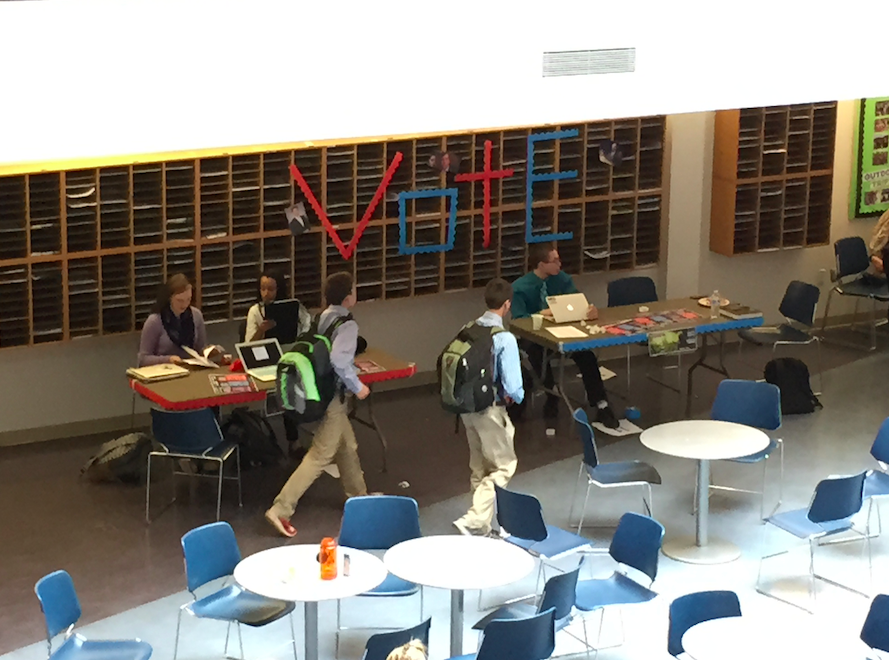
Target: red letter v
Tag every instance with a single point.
(347, 250)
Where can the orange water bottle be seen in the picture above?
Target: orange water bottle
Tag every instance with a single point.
(327, 558)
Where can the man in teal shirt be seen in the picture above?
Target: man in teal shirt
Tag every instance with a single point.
(529, 294)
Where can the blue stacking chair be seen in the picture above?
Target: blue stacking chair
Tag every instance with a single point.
(634, 290)
(520, 517)
(191, 435)
(690, 610)
(607, 475)
(851, 279)
(877, 483)
(834, 503)
(211, 552)
(636, 544)
(798, 306)
(558, 595)
(756, 404)
(379, 646)
(533, 638)
(61, 611)
(875, 632)
(378, 523)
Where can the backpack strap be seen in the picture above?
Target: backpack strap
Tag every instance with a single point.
(337, 322)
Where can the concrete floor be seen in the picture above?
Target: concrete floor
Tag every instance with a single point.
(834, 440)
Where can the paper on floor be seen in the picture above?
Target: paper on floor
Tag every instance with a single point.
(626, 428)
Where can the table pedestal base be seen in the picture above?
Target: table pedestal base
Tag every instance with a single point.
(311, 623)
(717, 551)
(456, 622)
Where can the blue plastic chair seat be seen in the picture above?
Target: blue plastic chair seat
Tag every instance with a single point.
(78, 648)
(767, 337)
(758, 456)
(393, 586)
(797, 523)
(233, 603)
(864, 288)
(624, 472)
(557, 543)
(876, 484)
(615, 590)
(517, 611)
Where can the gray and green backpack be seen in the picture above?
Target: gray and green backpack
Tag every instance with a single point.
(466, 370)
(306, 380)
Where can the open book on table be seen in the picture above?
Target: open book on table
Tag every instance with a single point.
(202, 359)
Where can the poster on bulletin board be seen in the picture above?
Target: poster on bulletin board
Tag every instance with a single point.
(870, 194)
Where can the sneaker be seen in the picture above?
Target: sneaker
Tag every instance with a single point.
(605, 416)
(281, 524)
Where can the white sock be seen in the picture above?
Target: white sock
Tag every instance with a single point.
(602, 404)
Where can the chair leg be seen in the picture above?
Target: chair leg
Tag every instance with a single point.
(826, 311)
(176, 642)
(293, 636)
(873, 324)
(219, 503)
(820, 367)
(148, 492)
(238, 465)
(574, 494)
(228, 630)
(240, 641)
(650, 504)
(586, 499)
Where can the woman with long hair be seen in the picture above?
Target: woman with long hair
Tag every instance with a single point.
(173, 323)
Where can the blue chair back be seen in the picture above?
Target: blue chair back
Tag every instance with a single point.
(852, 257)
(692, 609)
(58, 602)
(836, 499)
(875, 632)
(748, 402)
(559, 593)
(800, 302)
(519, 514)
(378, 523)
(631, 291)
(533, 638)
(379, 646)
(211, 551)
(587, 438)
(189, 432)
(880, 449)
(637, 543)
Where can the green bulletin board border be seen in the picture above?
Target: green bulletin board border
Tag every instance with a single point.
(863, 164)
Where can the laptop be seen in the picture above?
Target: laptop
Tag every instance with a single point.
(260, 358)
(569, 308)
(285, 314)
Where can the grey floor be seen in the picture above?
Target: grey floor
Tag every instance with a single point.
(835, 440)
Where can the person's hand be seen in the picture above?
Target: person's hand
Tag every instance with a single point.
(267, 325)
(877, 263)
(592, 313)
(508, 400)
(225, 360)
(548, 313)
(175, 359)
(363, 393)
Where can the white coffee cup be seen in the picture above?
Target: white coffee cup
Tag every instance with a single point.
(537, 321)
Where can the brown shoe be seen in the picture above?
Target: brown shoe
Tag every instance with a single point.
(281, 524)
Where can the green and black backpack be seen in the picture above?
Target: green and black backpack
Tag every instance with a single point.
(466, 370)
(306, 380)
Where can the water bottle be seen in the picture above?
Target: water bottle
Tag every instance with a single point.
(327, 558)
(714, 304)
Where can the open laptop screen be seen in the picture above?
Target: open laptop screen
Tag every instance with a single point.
(256, 354)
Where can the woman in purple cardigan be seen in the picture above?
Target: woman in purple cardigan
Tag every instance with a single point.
(173, 324)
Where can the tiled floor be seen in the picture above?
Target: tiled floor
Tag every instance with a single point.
(118, 563)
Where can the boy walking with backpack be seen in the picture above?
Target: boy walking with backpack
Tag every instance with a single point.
(334, 441)
(496, 383)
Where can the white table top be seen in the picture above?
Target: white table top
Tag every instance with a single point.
(292, 573)
(704, 439)
(739, 637)
(458, 562)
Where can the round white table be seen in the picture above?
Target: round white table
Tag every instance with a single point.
(458, 563)
(742, 638)
(703, 440)
(292, 573)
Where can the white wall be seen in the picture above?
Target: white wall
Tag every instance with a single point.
(99, 77)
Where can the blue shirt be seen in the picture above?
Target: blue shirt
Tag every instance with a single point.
(507, 366)
(343, 346)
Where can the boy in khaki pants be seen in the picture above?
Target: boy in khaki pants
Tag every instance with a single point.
(334, 441)
(490, 433)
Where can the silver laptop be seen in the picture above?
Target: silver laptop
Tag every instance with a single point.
(569, 308)
(260, 358)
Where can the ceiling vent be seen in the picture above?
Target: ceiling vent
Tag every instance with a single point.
(589, 62)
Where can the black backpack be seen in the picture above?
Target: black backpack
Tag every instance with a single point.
(256, 440)
(465, 370)
(792, 378)
(306, 380)
(123, 460)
